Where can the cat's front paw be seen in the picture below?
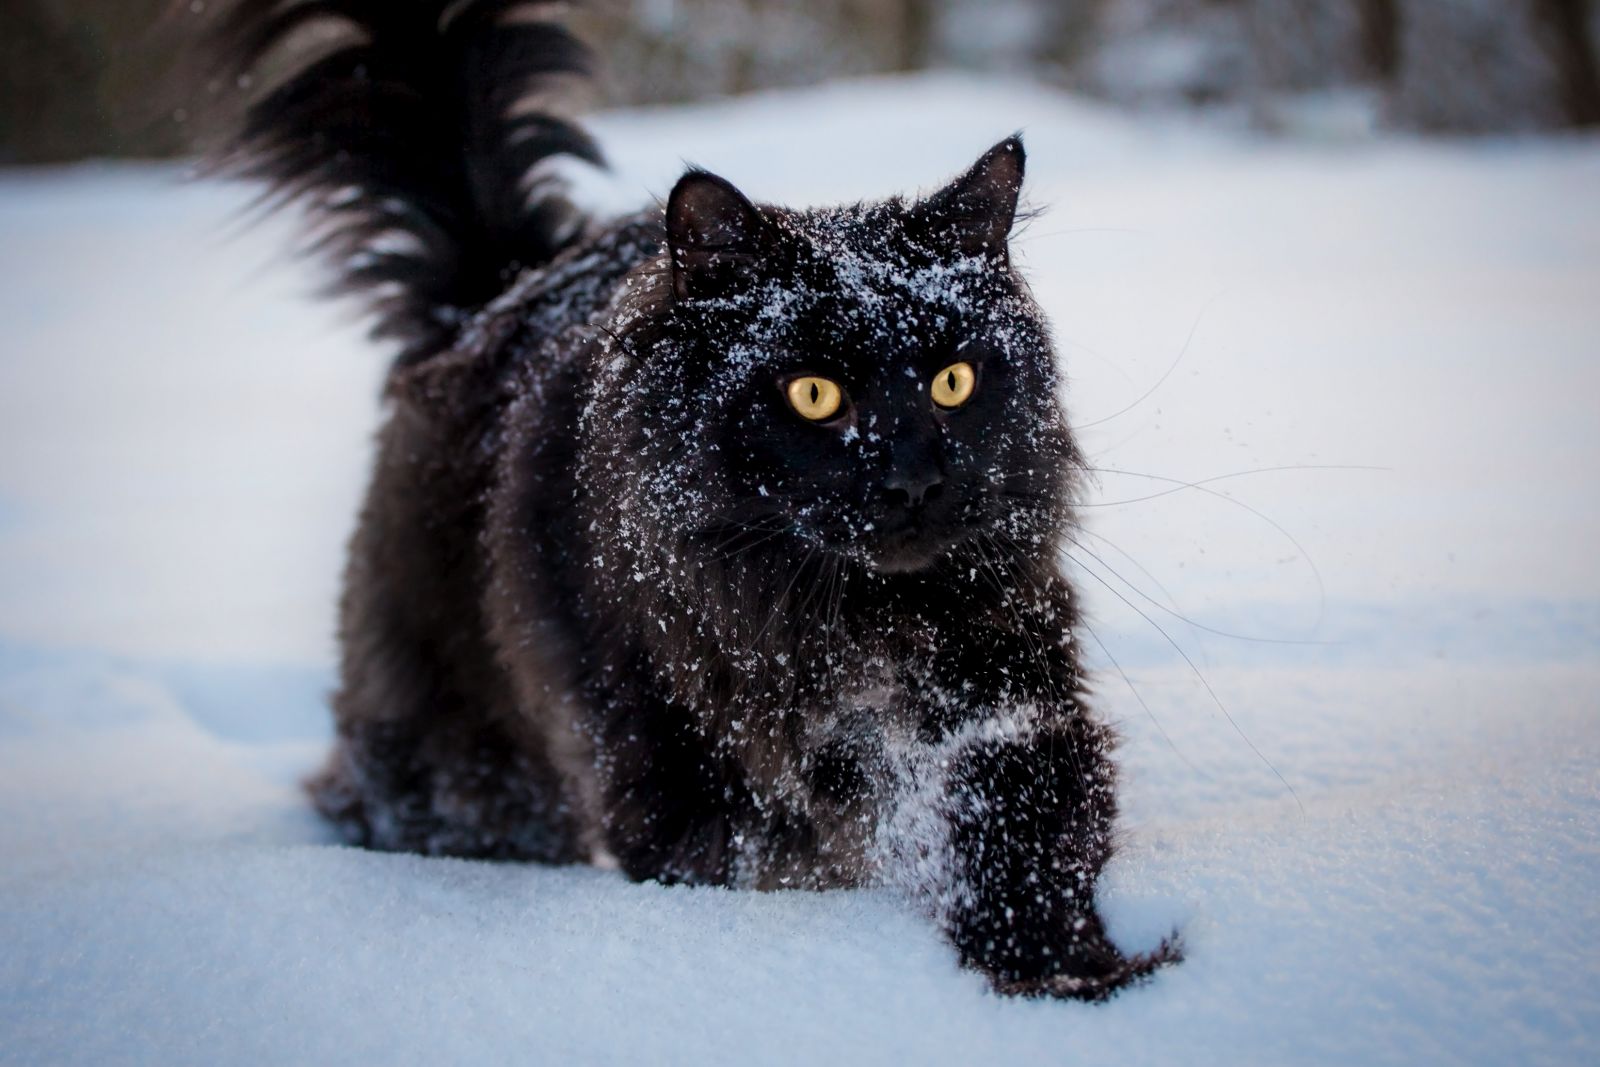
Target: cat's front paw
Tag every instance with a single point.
(1093, 978)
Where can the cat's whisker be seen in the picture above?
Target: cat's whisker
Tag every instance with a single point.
(733, 548)
(1184, 618)
(782, 601)
(1181, 485)
(1138, 696)
(1074, 230)
(620, 339)
(1141, 568)
(1080, 426)
(1195, 670)
(1311, 565)
(838, 577)
(723, 533)
(817, 592)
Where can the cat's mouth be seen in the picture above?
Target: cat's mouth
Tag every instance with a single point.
(913, 546)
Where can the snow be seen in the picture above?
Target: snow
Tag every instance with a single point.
(183, 439)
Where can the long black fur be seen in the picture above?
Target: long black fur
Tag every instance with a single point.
(611, 598)
(405, 138)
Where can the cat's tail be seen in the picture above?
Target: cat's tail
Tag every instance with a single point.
(413, 132)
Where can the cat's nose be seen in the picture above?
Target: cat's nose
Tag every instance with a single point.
(912, 486)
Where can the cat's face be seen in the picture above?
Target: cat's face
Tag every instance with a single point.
(870, 383)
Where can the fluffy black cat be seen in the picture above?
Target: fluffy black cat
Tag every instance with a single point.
(718, 542)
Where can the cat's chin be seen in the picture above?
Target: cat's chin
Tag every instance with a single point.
(903, 563)
(907, 556)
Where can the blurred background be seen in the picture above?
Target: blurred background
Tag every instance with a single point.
(1322, 275)
(81, 78)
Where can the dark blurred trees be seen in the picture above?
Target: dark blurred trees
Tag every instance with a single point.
(1571, 39)
(1469, 66)
(675, 50)
(41, 116)
(1443, 65)
(79, 77)
(1379, 28)
(86, 77)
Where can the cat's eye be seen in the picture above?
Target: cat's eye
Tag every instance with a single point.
(817, 399)
(953, 386)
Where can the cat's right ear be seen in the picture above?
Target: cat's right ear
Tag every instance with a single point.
(973, 215)
(715, 236)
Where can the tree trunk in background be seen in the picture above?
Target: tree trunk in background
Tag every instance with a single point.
(85, 77)
(1475, 66)
(1308, 46)
(48, 107)
(1380, 37)
(1565, 26)
(667, 51)
(919, 22)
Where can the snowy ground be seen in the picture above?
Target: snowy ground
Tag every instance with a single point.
(183, 437)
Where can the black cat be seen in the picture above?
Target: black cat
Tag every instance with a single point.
(719, 542)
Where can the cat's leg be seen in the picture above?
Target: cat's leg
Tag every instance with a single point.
(1002, 829)
(438, 785)
(433, 754)
(672, 811)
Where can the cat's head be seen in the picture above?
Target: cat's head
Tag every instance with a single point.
(871, 382)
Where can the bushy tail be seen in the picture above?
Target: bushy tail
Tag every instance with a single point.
(411, 130)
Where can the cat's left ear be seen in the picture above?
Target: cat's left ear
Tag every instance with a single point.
(715, 236)
(972, 216)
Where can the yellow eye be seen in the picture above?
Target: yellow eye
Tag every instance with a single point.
(817, 399)
(953, 386)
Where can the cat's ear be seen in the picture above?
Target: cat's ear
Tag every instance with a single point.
(715, 236)
(972, 216)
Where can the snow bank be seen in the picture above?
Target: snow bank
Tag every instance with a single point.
(182, 443)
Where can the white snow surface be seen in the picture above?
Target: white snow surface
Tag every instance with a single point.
(184, 437)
